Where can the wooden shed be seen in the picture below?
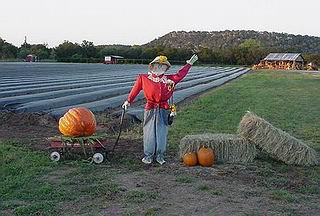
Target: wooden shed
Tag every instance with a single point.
(31, 58)
(284, 61)
(112, 59)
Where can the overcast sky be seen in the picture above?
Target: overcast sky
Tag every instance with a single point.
(140, 21)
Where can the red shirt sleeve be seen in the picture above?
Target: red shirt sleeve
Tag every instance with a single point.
(135, 89)
(181, 73)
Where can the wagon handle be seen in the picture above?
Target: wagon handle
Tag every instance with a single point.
(120, 130)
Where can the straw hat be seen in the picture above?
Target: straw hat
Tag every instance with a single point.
(161, 60)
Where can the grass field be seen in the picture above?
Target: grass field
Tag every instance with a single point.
(289, 101)
(32, 185)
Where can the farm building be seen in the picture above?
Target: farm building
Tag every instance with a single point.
(112, 59)
(285, 61)
(31, 58)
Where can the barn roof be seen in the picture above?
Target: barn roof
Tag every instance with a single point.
(115, 56)
(284, 57)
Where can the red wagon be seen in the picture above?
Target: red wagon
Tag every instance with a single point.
(92, 149)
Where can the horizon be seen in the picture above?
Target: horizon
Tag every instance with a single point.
(117, 44)
(101, 22)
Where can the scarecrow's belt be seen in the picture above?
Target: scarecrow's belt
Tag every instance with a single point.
(152, 104)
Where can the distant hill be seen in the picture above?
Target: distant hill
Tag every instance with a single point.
(225, 39)
(223, 47)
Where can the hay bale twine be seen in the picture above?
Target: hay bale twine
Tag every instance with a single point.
(277, 143)
(227, 147)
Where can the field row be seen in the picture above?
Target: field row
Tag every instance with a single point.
(55, 88)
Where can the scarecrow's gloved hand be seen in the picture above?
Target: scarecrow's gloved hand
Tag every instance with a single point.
(173, 114)
(193, 59)
(169, 82)
(125, 105)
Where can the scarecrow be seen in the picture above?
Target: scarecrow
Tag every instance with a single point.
(158, 88)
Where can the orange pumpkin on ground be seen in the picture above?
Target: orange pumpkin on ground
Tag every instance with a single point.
(190, 159)
(77, 122)
(205, 156)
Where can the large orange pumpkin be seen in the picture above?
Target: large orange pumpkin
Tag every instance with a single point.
(190, 159)
(205, 156)
(77, 122)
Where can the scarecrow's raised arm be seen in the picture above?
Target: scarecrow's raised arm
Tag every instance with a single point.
(184, 70)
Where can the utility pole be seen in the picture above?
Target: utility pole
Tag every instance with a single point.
(25, 42)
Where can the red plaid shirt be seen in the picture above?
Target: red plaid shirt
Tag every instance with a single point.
(156, 89)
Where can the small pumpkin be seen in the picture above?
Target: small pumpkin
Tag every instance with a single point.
(205, 156)
(190, 159)
(77, 122)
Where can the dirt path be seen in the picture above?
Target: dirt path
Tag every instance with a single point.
(173, 189)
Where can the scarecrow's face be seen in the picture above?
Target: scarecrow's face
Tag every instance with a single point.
(158, 69)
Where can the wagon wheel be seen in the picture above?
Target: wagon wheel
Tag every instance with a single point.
(98, 158)
(55, 156)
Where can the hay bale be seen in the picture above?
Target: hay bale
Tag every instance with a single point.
(227, 147)
(277, 143)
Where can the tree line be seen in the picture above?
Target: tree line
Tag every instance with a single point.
(249, 52)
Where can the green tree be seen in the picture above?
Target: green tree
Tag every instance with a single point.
(67, 49)
(312, 57)
(40, 50)
(148, 53)
(53, 55)
(88, 49)
(23, 52)
(205, 55)
(133, 52)
(7, 50)
(249, 52)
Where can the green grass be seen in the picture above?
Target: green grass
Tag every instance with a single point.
(152, 212)
(139, 196)
(288, 100)
(282, 195)
(204, 188)
(19, 170)
(26, 188)
(211, 190)
(184, 178)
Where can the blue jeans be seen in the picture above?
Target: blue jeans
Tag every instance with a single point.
(155, 131)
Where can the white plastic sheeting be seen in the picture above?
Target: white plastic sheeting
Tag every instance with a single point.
(55, 88)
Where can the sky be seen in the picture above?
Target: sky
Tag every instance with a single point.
(136, 22)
